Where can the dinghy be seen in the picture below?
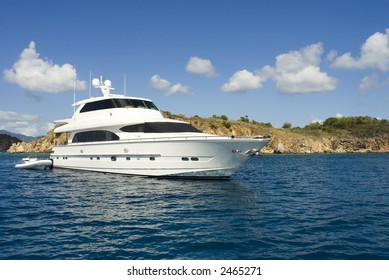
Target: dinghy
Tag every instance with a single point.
(35, 163)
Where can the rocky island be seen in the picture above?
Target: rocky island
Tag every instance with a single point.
(6, 141)
(335, 135)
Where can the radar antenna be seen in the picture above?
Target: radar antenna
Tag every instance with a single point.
(103, 84)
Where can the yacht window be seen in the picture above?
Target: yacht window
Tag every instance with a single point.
(98, 105)
(134, 128)
(138, 103)
(160, 127)
(118, 103)
(122, 103)
(150, 105)
(94, 136)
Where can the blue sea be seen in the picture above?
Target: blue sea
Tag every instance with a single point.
(276, 207)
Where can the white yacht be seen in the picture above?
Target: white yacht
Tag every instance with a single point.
(129, 135)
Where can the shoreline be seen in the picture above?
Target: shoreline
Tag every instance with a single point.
(279, 144)
(336, 136)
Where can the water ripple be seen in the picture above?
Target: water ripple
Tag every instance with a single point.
(276, 207)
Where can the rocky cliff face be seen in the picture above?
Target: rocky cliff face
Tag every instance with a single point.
(43, 145)
(326, 144)
(283, 141)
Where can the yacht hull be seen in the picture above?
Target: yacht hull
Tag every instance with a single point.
(199, 157)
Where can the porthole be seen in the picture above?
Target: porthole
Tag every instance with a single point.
(152, 158)
(128, 158)
(91, 158)
(98, 158)
(194, 158)
(113, 158)
(184, 158)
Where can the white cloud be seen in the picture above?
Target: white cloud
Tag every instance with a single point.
(242, 81)
(35, 74)
(369, 83)
(48, 126)
(374, 54)
(295, 72)
(178, 88)
(21, 123)
(200, 66)
(160, 84)
(165, 86)
(16, 117)
(331, 56)
(307, 80)
(29, 130)
(299, 72)
(339, 116)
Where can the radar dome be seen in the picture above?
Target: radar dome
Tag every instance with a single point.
(95, 82)
(107, 83)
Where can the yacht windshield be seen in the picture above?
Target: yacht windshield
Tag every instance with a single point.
(118, 103)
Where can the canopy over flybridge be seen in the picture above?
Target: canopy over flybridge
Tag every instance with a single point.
(103, 84)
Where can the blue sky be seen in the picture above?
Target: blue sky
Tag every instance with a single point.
(274, 61)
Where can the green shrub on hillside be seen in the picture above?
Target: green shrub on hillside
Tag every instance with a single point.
(361, 126)
(287, 125)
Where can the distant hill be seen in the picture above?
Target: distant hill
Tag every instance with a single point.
(6, 141)
(360, 134)
(22, 137)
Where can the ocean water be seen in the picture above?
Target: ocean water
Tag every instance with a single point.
(275, 207)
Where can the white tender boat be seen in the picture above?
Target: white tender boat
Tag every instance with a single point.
(35, 163)
(128, 135)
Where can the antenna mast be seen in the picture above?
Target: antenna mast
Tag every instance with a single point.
(74, 93)
(125, 83)
(90, 82)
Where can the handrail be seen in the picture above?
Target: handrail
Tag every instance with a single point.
(171, 138)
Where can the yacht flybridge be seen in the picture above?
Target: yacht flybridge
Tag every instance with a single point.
(128, 135)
